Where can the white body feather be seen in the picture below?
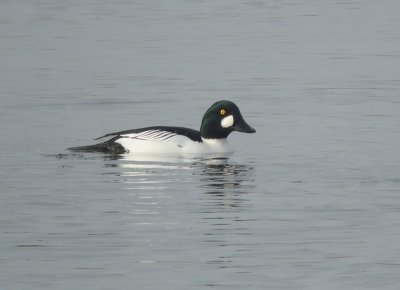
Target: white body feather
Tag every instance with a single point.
(164, 142)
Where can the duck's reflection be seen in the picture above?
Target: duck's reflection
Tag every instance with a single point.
(216, 176)
(221, 174)
(225, 183)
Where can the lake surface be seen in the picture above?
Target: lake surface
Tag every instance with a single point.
(311, 201)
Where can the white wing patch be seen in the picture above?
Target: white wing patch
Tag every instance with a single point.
(150, 135)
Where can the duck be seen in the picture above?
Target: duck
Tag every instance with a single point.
(219, 121)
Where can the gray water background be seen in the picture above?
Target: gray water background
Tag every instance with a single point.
(311, 201)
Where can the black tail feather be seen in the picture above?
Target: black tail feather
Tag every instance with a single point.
(106, 147)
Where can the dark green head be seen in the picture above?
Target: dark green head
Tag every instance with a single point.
(221, 119)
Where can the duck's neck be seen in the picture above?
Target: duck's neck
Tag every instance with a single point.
(215, 142)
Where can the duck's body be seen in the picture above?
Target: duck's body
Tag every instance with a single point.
(158, 140)
(218, 122)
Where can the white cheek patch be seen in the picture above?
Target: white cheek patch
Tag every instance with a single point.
(227, 121)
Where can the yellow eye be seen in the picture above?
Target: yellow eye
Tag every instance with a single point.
(222, 112)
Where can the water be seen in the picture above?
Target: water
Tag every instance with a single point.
(311, 201)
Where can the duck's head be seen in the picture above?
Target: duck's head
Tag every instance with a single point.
(221, 119)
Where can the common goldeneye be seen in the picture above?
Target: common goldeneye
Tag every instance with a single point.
(221, 119)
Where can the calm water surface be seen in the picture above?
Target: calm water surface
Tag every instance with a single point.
(311, 201)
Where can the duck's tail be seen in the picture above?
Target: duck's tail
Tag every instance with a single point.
(107, 147)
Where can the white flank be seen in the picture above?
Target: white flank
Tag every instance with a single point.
(176, 145)
(227, 121)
